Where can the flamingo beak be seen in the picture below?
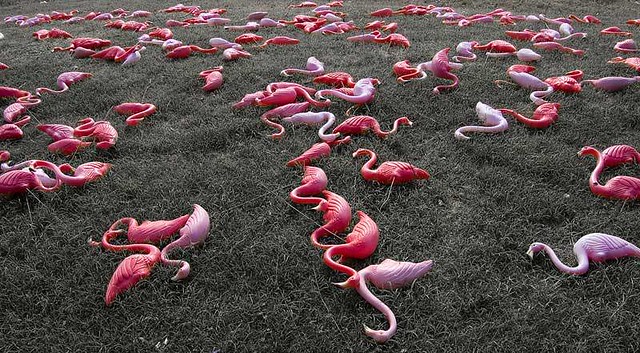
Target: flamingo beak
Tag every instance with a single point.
(530, 253)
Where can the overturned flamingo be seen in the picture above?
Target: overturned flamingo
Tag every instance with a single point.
(314, 67)
(64, 80)
(361, 124)
(363, 92)
(136, 111)
(491, 118)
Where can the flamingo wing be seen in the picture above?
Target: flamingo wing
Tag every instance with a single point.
(129, 272)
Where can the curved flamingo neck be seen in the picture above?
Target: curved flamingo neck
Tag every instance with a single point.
(303, 200)
(336, 266)
(379, 336)
(366, 170)
(322, 131)
(595, 174)
(581, 268)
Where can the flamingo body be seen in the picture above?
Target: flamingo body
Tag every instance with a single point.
(389, 172)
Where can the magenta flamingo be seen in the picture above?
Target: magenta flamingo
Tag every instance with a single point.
(405, 72)
(313, 118)
(336, 215)
(621, 187)
(314, 181)
(13, 131)
(633, 63)
(68, 146)
(183, 52)
(619, 154)
(286, 95)
(441, 68)
(87, 43)
(544, 115)
(363, 92)
(193, 233)
(389, 274)
(146, 232)
(491, 118)
(101, 131)
(360, 244)
(280, 112)
(136, 111)
(612, 84)
(318, 150)
(569, 82)
(279, 40)
(213, 78)
(596, 247)
(335, 79)
(314, 67)
(361, 124)
(83, 174)
(64, 80)
(626, 46)
(247, 38)
(559, 47)
(389, 173)
(616, 31)
(17, 109)
(19, 181)
(56, 131)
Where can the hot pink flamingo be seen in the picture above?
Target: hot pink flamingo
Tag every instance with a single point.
(184, 51)
(405, 72)
(318, 150)
(13, 131)
(389, 172)
(16, 110)
(633, 63)
(441, 68)
(83, 174)
(569, 82)
(313, 118)
(87, 43)
(363, 92)
(314, 67)
(389, 274)
(282, 96)
(19, 181)
(619, 154)
(136, 111)
(544, 115)
(152, 232)
(336, 79)
(619, 187)
(193, 233)
(213, 78)
(336, 215)
(596, 247)
(247, 38)
(491, 118)
(101, 131)
(612, 84)
(313, 182)
(281, 112)
(360, 244)
(64, 80)
(56, 131)
(361, 124)
(68, 146)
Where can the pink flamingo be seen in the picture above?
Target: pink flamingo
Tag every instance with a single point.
(360, 244)
(619, 187)
(633, 63)
(585, 19)
(286, 95)
(389, 173)
(56, 131)
(336, 79)
(405, 72)
(520, 74)
(193, 233)
(222, 43)
(87, 43)
(213, 78)
(256, 16)
(185, 51)
(268, 22)
(558, 46)
(82, 175)
(619, 154)
(626, 46)
(336, 215)
(361, 124)
(318, 150)
(465, 51)
(363, 92)
(64, 80)
(161, 33)
(616, 31)
(491, 118)
(249, 99)
(569, 82)
(137, 111)
(633, 22)
(17, 109)
(394, 39)
(544, 115)
(13, 131)
(250, 26)
(305, 4)
(314, 67)
(612, 84)
(386, 12)
(231, 54)
(3, 66)
(496, 46)
(101, 131)
(596, 247)
(314, 181)
(441, 68)
(147, 232)
(389, 274)
(312, 118)
(279, 40)
(247, 38)
(19, 181)
(68, 146)
(280, 112)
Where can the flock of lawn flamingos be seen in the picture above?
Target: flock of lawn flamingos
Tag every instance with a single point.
(17, 178)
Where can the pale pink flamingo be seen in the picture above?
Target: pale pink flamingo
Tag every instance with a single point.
(363, 92)
(558, 46)
(616, 31)
(361, 124)
(520, 74)
(302, 4)
(222, 43)
(612, 84)
(250, 26)
(314, 67)
(281, 112)
(82, 53)
(136, 111)
(389, 274)
(213, 78)
(268, 22)
(279, 40)
(441, 68)
(465, 51)
(596, 247)
(389, 173)
(491, 118)
(318, 150)
(193, 233)
(231, 54)
(314, 181)
(544, 115)
(83, 174)
(626, 46)
(633, 63)
(256, 16)
(621, 187)
(64, 80)
(314, 118)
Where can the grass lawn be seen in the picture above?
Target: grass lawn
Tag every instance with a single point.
(257, 284)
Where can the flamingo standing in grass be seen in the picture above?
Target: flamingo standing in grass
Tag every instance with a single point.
(336, 215)
(64, 80)
(314, 181)
(491, 118)
(361, 124)
(621, 187)
(389, 172)
(596, 247)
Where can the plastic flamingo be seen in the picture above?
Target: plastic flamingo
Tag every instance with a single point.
(389, 173)
(230, 54)
(558, 46)
(305, 4)
(314, 67)
(441, 68)
(619, 187)
(140, 13)
(249, 99)
(12, 131)
(360, 244)
(87, 43)
(520, 74)
(619, 154)
(222, 43)
(633, 22)
(363, 92)
(279, 40)
(184, 51)
(544, 115)
(491, 118)
(361, 124)
(394, 39)
(612, 84)
(81, 53)
(596, 247)
(585, 19)
(616, 31)
(61, 16)
(193, 233)
(83, 174)
(248, 38)
(53, 33)
(318, 150)
(389, 274)
(386, 12)
(465, 51)
(626, 46)
(64, 80)
(17, 109)
(250, 26)
(101, 131)
(282, 96)
(174, 23)
(256, 16)
(56, 131)
(568, 83)
(136, 111)
(280, 112)
(496, 46)
(213, 78)
(405, 72)
(3, 66)
(19, 181)
(336, 79)
(313, 182)
(18, 94)
(526, 35)
(268, 22)
(365, 38)
(146, 232)
(68, 146)
(161, 33)
(633, 63)
(312, 118)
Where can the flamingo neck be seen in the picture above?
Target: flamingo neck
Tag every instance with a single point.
(303, 200)
(336, 266)
(67, 179)
(321, 133)
(581, 268)
(595, 174)
(366, 170)
(185, 268)
(379, 336)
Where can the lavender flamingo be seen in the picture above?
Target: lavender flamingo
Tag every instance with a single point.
(314, 68)
(193, 233)
(612, 84)
(596, 247)
(441, 68)
(520, 74)
(312, 118)
(491, 118)
(282, 111)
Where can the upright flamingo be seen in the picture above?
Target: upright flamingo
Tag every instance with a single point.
(621, 187)
(389, 172)
(596, 247)
(64, 80)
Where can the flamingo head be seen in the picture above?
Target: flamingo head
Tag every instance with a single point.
(361, 152)
(521, 68)
(351, 282)
(67, 168)
(587, 150)
(534, 248)
(4, 156)
(379, 336)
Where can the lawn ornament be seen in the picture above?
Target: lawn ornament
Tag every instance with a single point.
(56, 131)
(314, 181)
(621, 187)
(64, 80)
(336, 215)
(318, 150)
(361, 124)
(612, 84)
(585, 19)
(230, 54)
(405, 72)
(279, 40)
(183, 52)
(441, 68)
(313, 118)
(13, 131)
(491, 118)
(465, 51)
(100, 131)
(136, 111)
(363, 92)
(568, 83)
(633, 63)
(520, 74)
(80, 176)
(314, 67)
(247, 38)
(281, 112)
(389, 173)
(249, 27)
(616, 31)
(222, 43)
(544, 115)
(19, 181)
(87, 43)
(626, 46)
(213, 78)
(558, 46)
(67, 146)
(336, 79)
